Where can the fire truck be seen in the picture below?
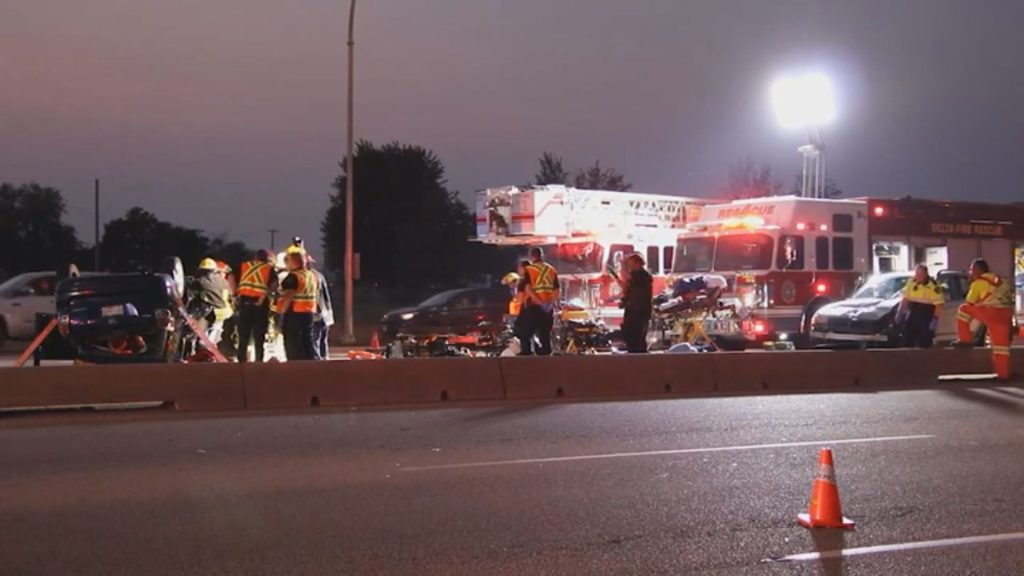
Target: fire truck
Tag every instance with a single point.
(585, 232)
(785, 257)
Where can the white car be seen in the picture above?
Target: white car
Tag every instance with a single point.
(21, 298)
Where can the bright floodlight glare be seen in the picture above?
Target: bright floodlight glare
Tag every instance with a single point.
(802, 101)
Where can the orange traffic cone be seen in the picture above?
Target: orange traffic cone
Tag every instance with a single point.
(374, 341)
(825, 511)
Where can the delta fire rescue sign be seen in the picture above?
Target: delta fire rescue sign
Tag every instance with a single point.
(967, 229)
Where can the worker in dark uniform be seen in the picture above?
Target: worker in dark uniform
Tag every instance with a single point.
(538, 314)
(323, 319)
(921, 306)
(298, 304)
(637, 294)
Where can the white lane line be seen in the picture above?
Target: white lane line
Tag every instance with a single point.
(828, 554)
(663, 452)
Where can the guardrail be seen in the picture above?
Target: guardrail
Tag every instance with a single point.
(216, 387)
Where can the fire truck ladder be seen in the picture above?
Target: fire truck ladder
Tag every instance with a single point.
(628, 209)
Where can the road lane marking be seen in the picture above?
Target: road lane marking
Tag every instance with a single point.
(831, 554)
(662, 452)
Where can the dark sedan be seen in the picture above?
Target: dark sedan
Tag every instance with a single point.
(867, 318)
(453, 312)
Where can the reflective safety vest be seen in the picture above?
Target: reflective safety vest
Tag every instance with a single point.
(515, 306)
(305, 296)
(543, 277)
(990, 291)
(255, 280)
(929, 292)
(222, 314)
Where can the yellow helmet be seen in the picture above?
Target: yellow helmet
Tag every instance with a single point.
(293, 249)
(510, 279)
(207, 264)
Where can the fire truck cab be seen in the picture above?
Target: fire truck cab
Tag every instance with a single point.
(586, 232)
(785, 257)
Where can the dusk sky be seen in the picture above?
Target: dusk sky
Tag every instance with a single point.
(229, 115)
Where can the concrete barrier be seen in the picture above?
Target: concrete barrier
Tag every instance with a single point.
(746, 372)
(903, 368)
(188, 388)
(430, 380)
(376, 382)
(953, 362)
(614, 376)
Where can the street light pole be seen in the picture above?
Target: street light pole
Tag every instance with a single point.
(349, 336)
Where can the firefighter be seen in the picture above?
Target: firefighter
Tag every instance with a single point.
(215, 292)
(637, 294)
(538, 314)
(519, 284)
(254, 287)
(989, 300)
(515, 305)
(921, 306)
(296, 308)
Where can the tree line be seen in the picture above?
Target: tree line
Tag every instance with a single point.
(34, 236)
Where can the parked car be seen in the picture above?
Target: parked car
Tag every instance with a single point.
(21, 298)
(868, 316)
(453, 312)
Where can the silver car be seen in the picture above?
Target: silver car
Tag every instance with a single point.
(21, 298)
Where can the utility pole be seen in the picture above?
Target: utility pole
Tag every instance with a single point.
(96, 247)
(349, 336)
(273, 235)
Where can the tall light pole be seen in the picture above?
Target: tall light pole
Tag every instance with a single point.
(806, 102)
(349, 336)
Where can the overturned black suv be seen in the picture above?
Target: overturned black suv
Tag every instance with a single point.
(123, 318)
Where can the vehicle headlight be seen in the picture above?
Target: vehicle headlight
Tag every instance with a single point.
(408, 316)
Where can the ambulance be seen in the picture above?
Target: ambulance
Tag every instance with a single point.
(584, 233)
(787, 256)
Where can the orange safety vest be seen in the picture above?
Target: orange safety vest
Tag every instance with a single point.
(990, 291)
(515, 307)
(304, 299)
(255, 280)
(542, 281)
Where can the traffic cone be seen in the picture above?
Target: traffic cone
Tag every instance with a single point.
(374, 341)
(824, 510)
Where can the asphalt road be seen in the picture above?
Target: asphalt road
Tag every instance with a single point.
(668, 487)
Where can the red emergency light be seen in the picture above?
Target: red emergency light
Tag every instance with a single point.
(760, 328)
(823, 227)
(801, 226)
(879, 210)
(821, 287)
